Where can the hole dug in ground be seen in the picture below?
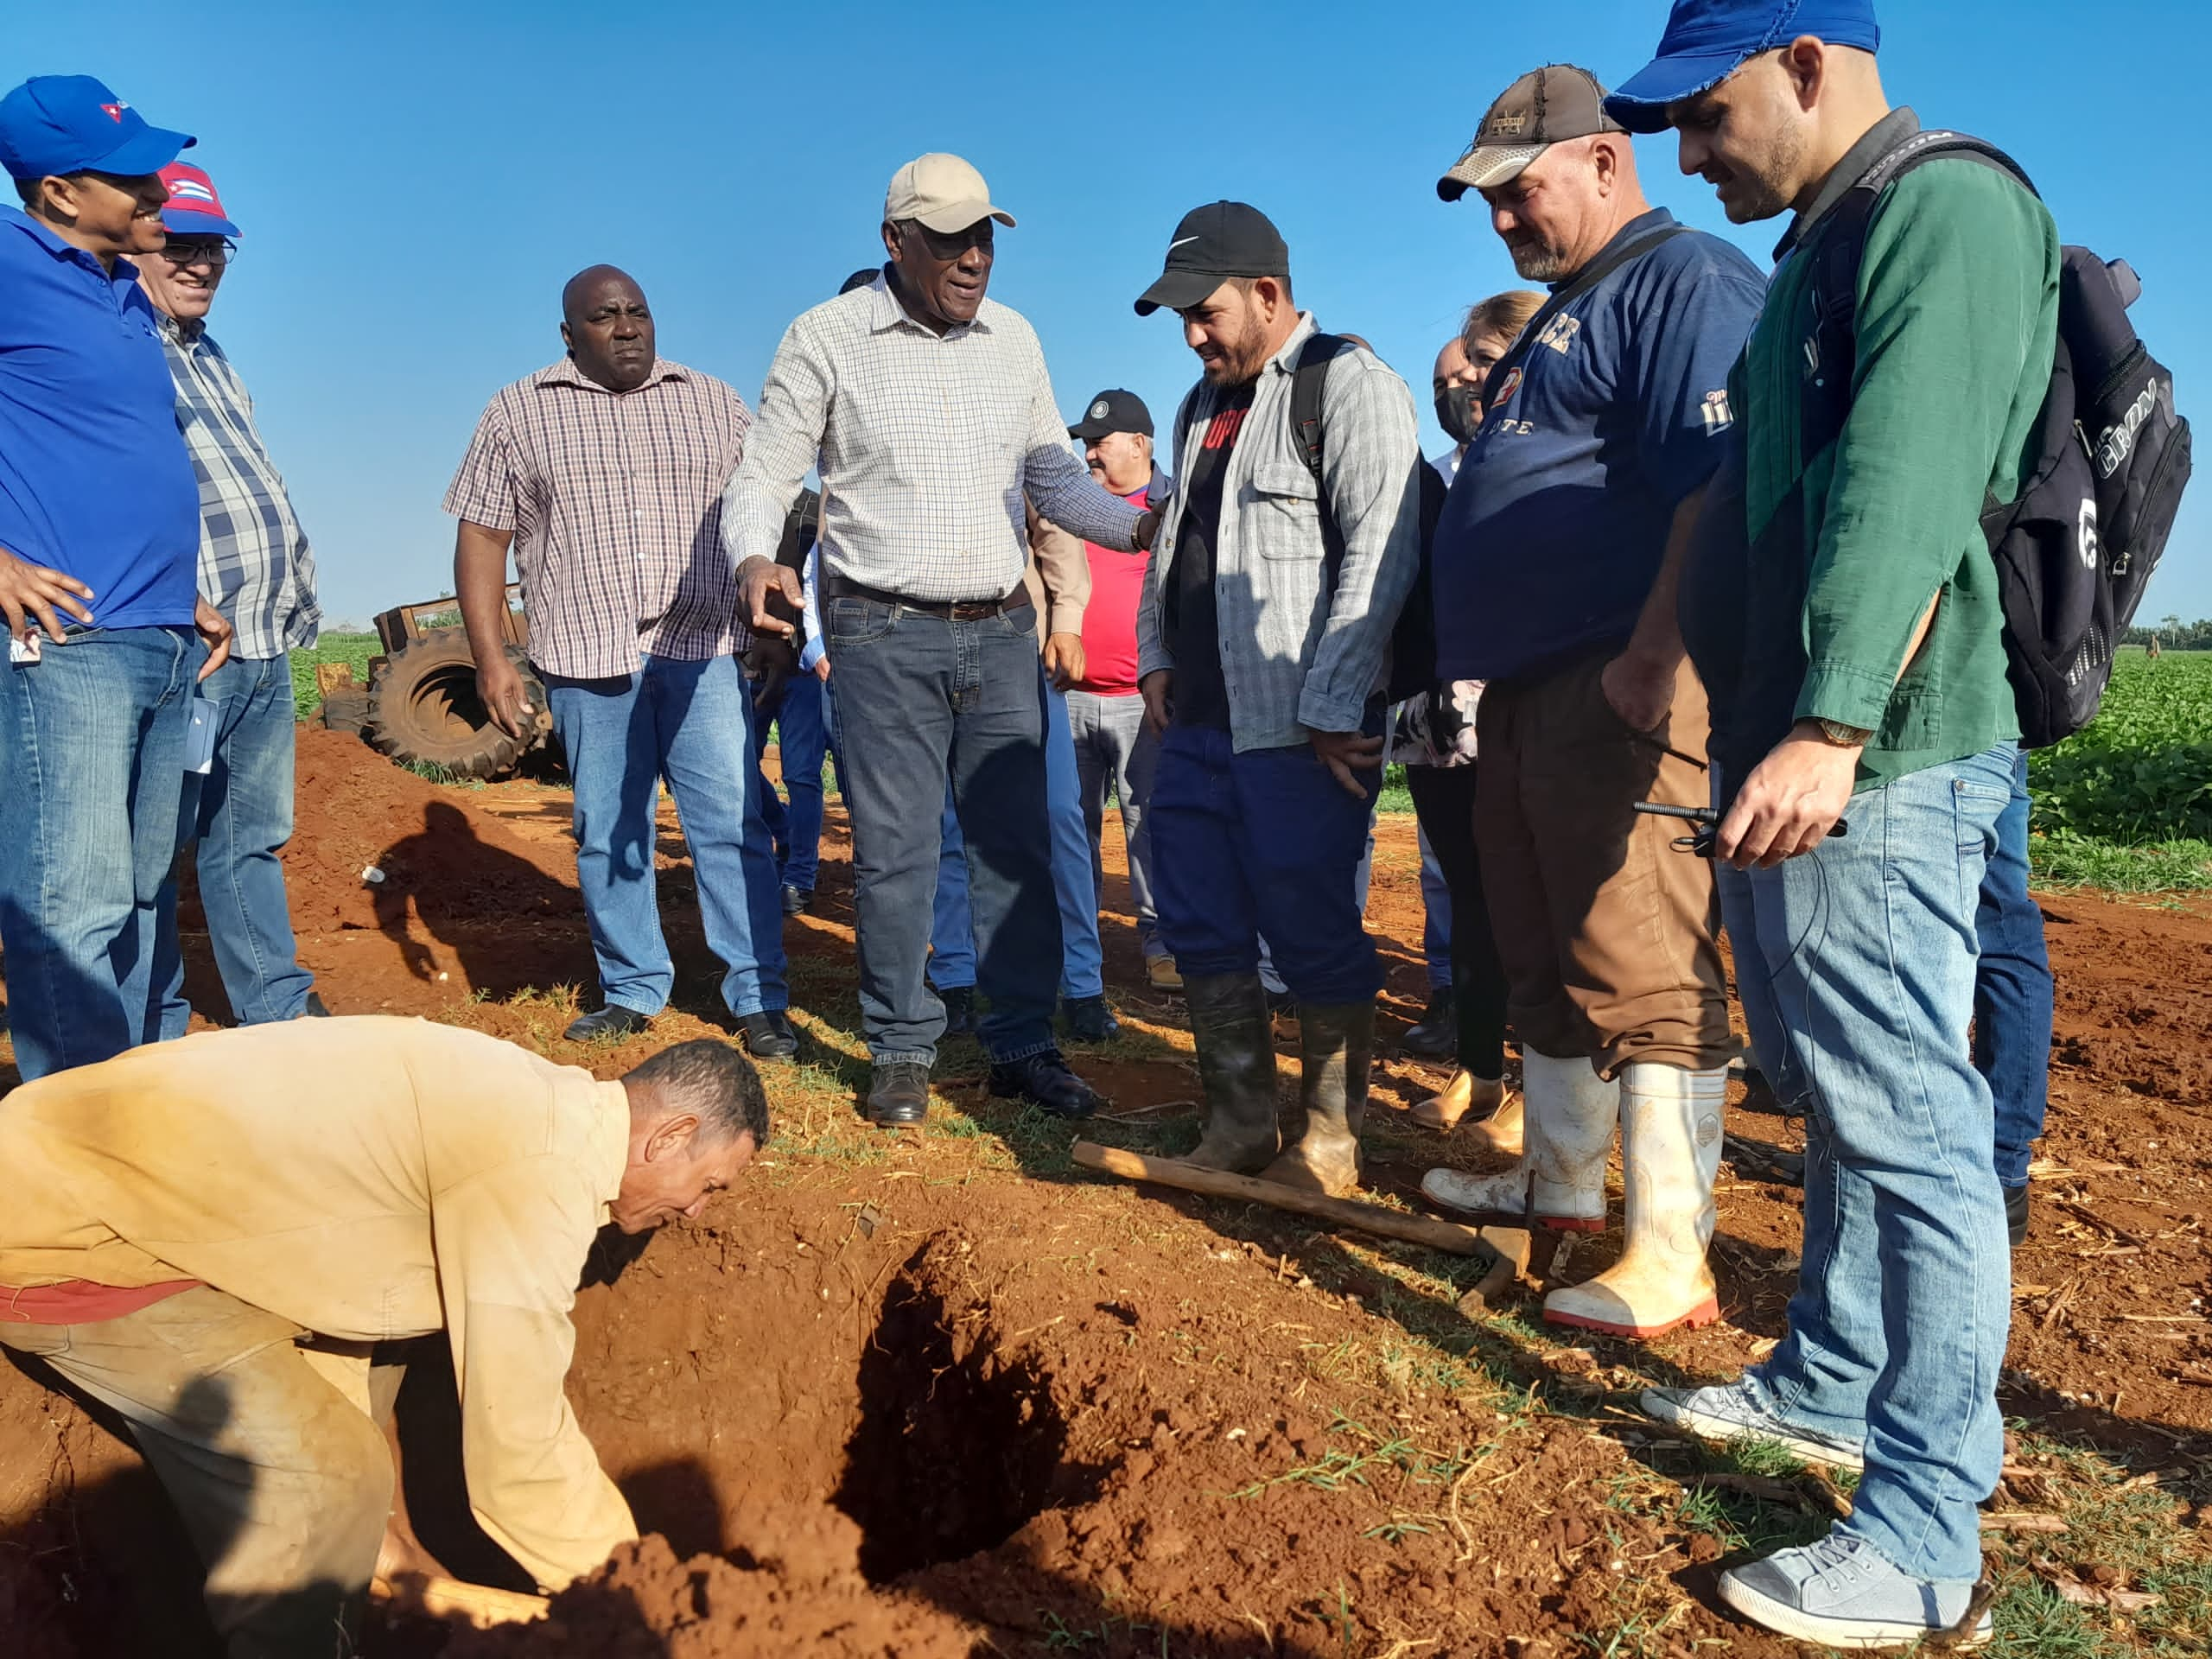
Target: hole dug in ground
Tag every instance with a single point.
(958, 1445)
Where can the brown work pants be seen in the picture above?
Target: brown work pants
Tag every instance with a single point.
(1606, 932)
(283, 1481)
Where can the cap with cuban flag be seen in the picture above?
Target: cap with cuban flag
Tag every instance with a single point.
(54, 125)
(193, 208)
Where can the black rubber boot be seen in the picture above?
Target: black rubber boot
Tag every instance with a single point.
(1237, 1069)
(1336, 1046)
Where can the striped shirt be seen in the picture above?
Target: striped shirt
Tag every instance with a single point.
(926, 443)
(255, 564)
(615, 502)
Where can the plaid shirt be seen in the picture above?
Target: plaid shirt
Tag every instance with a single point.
(255, 563)
(615, 502)
(926, 444)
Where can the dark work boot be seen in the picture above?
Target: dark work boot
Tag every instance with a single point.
(1437, 1036)
(1335, 1047)
(959, 1010)
(2016, 1215)
(1235, 1037)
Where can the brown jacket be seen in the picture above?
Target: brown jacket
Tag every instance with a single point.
(1057, 576)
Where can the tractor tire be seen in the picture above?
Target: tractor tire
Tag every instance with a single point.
(423, 710)
(346, 709)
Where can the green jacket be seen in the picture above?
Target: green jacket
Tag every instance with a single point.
(1957, 324)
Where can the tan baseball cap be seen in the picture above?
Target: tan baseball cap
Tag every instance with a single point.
(945, 193)
(1544, 107)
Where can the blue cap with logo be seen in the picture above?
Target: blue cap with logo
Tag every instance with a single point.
(54, 125)
(1707, 41)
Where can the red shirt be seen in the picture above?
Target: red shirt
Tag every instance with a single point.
(1110, 623)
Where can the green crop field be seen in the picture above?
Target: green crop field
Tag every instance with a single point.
(353, 648)
(2126, 803)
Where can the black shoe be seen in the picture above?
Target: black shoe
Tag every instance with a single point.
(796, 901)
(2016, 1215)
(1045, 1080)
(612, 1021)
(767, 1035)
(959, 1010)
(313, 1009)
(1090, 1020)
(899, 1093)
(1437, 1036)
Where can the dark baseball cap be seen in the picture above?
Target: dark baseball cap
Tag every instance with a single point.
(1212, 244)
(1707, 41)
(54, 125)
(1544, 107)
(1115, 411)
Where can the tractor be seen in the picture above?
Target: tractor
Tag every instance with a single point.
(420, 706)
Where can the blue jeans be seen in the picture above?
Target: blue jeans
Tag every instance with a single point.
(1436, 917)
(919, 699)
(2013, 990)
(691, 723)
(801, 718)
(240, 814)
(1861, 955)
(1265, 842)
(952, 940)
(92, 748)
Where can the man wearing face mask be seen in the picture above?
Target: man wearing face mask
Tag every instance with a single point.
(1264, 643)
(1555, 565)
(932, 635)
(1458, 389)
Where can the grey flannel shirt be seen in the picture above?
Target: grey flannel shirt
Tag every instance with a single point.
(926, 444)
(255, 564)
(1297, 653)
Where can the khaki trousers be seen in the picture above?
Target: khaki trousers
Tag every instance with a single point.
(283, 1479)
(1606, 931)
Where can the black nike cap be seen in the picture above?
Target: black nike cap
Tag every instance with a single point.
(1212, 244)
(1113, 411)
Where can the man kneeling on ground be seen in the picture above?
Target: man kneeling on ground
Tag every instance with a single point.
(206, 1236)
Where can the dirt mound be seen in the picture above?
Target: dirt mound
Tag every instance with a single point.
(443, 860)
(806, 1598)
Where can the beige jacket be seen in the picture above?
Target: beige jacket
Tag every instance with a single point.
(1057, 577)
(365, 1179)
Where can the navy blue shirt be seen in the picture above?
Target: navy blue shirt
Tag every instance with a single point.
(94, 479)
(1557, 522)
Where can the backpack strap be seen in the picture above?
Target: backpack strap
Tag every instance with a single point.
(1840, 253)
(1584, 279)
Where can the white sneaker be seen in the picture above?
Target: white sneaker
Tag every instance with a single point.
(1840, 1593)
(1738, 1411)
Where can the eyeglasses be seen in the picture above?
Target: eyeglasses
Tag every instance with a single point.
(200, 252)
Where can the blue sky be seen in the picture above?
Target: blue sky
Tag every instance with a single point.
(416, 180)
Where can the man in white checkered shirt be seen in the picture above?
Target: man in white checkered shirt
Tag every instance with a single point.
(257, 569)
(604, 473)
(928, 409)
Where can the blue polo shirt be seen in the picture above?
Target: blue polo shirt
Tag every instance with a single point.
(1557, 522)
(94, 479)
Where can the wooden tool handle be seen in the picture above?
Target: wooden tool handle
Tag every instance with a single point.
(480, 1603)
(1218, 1184)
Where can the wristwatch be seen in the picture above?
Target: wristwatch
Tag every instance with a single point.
(1843, 736)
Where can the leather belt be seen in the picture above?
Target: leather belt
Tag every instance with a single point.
(950, 610)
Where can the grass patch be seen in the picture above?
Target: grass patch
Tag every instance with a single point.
(2069, 859)
(355, 649)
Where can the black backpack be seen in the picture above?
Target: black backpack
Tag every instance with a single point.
(1413, 639)
(2110, 458)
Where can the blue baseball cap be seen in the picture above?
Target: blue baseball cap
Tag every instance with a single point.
(54, 125)
(1707, 41)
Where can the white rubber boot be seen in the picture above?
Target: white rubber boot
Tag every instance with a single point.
(1670, 1152)
(1559, 1183)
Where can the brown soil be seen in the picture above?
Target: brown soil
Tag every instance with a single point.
(941, 1396)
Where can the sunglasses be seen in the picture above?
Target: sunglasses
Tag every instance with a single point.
(220, 251)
